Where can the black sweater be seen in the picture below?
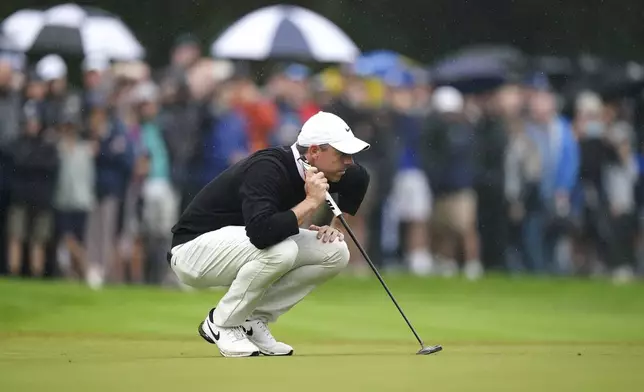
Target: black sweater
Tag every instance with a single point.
(258, 193)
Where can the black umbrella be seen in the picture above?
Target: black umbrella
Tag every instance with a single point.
(479, 68)
(621, 81)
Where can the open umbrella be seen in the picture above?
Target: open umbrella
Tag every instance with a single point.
(380, 62)
(10, 52)
(71, 29)
(7, 44)
(479, 68)
(285, 32)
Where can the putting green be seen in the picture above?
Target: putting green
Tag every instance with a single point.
(499, 334)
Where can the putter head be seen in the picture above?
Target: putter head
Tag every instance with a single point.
(429, 350)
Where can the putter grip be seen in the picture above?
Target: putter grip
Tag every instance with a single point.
(332, 205)
(329, 200)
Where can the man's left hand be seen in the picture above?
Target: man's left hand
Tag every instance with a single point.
(327, 233)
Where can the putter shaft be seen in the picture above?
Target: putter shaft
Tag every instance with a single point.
(338, 213)
(375, 271)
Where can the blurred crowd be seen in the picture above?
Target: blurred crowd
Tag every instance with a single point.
(93, 177)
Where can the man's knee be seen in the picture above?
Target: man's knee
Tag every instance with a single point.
(282, 255)
(339, 258)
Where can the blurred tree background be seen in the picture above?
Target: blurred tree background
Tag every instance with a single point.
(423, 30)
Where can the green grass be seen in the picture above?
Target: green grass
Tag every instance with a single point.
(499, 334)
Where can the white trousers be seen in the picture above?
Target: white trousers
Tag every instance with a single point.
(262, 283)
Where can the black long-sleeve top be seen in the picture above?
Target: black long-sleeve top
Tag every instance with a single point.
(258, 193)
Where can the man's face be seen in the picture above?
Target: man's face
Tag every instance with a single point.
(542, 107)
(296, 91)
(92, 79)
(330, 161)
(5, 74)
(356, 92)
(36, 90)
(510, 101)
(149, 110)
(185, 55)
(402, 99)
(58, 86)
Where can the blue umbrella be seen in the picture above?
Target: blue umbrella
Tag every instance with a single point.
(378, 62)
(399, 78)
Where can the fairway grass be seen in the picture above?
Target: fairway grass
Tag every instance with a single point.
(499, 334)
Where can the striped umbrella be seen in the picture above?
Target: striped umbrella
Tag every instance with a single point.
(286, 32)
(72, 29)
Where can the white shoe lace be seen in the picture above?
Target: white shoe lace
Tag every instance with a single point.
(236, 333)
(264, 329)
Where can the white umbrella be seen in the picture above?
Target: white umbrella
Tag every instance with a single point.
(6, 43)
(69, 28)
(285, 32)
(10, 53)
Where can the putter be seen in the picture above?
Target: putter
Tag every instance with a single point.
(424, 350)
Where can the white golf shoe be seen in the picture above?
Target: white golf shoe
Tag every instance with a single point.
(259, 334)
(231, 341)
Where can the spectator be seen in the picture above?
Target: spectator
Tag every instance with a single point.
(53, 70)
(35, 165)
(94, 83)
(36, 88)
(620, 178)
(448, 154)
(595, 153)
(491, 141)
(113, 162)
(9, 130)
(294, 103)
(411, 196)
(227, 141)
(546, 226)
(74, 197)
(261, 113)
(375, 126)
(181, 120)
(10, 115)
(523, 172)
(130, 257)
(186, 52)
(159, 199)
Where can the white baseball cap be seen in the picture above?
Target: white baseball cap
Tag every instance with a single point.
(447, 99)
(95, 62)
(51, 67)
(327, 128)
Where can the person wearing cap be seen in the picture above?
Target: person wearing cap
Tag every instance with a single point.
(94, 84)
(243, 231)
(186, 51)
(53, 70)
(449, 161)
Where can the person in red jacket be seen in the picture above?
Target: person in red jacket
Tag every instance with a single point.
(261, 113)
